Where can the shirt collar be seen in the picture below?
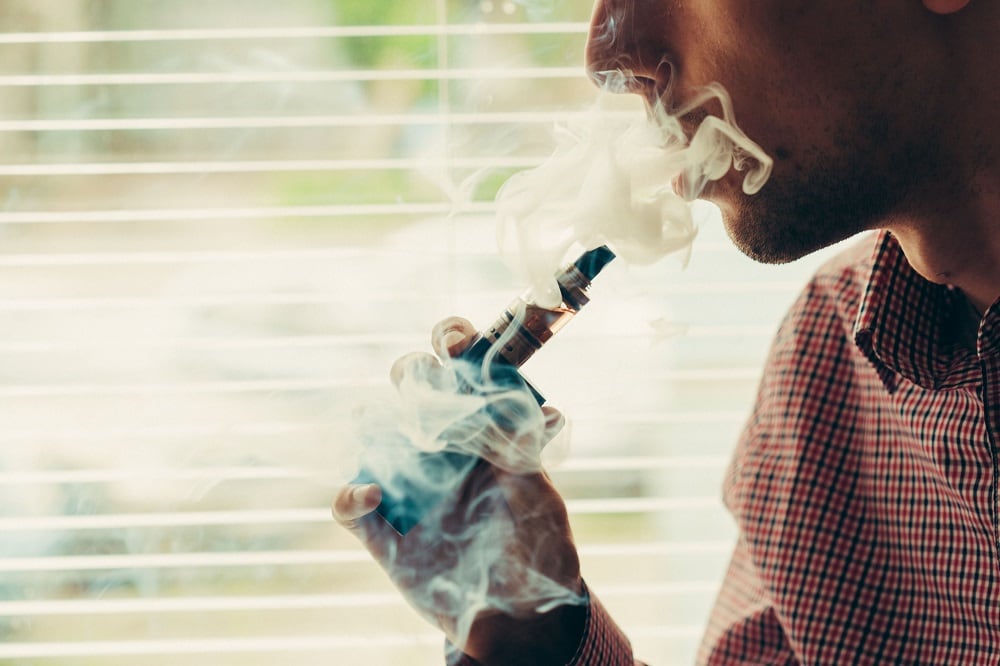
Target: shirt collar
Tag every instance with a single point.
(910, 327)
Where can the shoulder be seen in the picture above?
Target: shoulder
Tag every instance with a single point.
(814, 350)
(847, 273)
(830, 301)
(810, 381)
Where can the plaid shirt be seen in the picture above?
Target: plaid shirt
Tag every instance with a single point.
(865, 484)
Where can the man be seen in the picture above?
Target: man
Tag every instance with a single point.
(866, 483)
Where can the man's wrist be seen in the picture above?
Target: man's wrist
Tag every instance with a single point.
(552, 638)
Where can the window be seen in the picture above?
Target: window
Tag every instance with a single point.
(220, 222)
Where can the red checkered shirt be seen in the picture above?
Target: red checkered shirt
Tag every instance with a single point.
(865, 484)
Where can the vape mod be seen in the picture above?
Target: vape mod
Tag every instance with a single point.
(494, 358)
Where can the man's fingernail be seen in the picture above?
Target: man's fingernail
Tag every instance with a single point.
(452, 338)
(365, 495)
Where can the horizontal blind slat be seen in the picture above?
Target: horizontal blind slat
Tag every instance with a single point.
(229, 560)
(292, 76)
(261, 166)
(453, 119)
(11, 391)
(246, 603)
(255, 213)
(228, 645)
(277, 644)
(301, 428)
(300, 32)
(199, 604)
(278, 299)
(311, 341)
(131, 474)
(609, 505)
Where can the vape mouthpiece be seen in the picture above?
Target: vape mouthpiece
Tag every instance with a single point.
(593, 262)
(574, 280)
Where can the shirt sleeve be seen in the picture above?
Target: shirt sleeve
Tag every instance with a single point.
(603, 643)
(743, 628)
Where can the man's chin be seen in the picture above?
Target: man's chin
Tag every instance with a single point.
(764, 250)
(776, 239)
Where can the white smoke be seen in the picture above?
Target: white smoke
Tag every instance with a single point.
(612, 180)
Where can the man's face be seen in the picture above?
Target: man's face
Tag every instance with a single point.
(836, 91)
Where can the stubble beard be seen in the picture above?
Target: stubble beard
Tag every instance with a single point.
(827, 198)
(789, 220)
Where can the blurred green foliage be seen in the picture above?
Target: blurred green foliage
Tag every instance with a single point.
(399, 51)
(357, 187)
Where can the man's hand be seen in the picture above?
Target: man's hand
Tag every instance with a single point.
(495, 566)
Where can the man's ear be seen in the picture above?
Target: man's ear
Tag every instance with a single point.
(945, 6)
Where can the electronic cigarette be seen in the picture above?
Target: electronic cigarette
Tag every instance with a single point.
(494, 358)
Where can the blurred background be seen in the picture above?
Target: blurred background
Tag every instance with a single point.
(220, 223)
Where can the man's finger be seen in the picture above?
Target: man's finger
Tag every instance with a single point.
(354, 501)
(451, 336)
(417, 365)
(354, 509)
(555, 422)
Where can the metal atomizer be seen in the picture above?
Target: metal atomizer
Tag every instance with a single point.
(494, 356)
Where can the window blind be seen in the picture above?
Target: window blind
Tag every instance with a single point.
(220, 222)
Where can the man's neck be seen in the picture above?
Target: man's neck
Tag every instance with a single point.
(950, 228)
(960, 248)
